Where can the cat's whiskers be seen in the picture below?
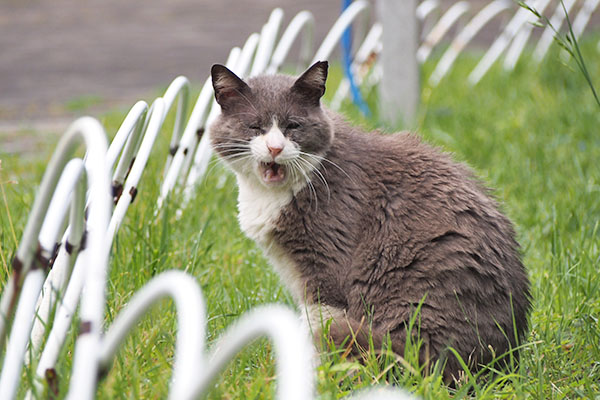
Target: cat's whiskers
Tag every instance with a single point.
(236, 158)
(294, 172)
(321, 177)
(311, 186)
(212, 166)
(230, 154)
(234, 140)
(306, 172)
(322, 159)
(230, 148)
(232, 159)
(312, 168)
(240, 144)
(298, 168)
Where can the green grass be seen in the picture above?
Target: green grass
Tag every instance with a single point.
(531, 134)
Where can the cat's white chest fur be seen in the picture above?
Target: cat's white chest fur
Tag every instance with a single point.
(259, 209)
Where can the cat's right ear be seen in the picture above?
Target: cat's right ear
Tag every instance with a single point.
(229, 89)
(311, 84)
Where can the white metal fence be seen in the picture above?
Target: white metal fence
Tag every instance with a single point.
(62, 259)
(451, 30)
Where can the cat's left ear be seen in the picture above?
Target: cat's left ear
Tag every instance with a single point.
(229, 89)
(311, 84)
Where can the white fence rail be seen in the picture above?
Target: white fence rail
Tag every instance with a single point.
(62, 260)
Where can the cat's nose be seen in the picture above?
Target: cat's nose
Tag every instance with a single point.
(274, 140)
(274, 150)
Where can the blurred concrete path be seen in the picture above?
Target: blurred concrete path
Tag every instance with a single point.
(60, 58)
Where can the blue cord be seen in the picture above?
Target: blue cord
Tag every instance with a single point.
(347, 61)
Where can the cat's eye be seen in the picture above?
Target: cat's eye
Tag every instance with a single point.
(292, 125)
(255, 128)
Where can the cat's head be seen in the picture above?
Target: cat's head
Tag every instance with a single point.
(272, 128)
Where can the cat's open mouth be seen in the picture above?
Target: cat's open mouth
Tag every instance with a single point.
(272, 172)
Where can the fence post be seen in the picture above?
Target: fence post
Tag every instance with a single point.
(399, 88)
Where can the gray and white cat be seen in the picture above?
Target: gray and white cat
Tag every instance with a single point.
(370, 227)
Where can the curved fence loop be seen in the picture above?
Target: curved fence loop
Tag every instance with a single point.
(426, 12)
(136, 154)
(71, 189)
(94, 138)
(584, 15)
(62, 321)
(66, 193)
(193, 370)
(68, 305)
(17, 344)
(349, 15)
(191, 317)
(130, 187)
(249, 50)
(205, 102)
(441, 27)
(133, 127)
(125, 143)
(268, 36)
(187, 146)
(131, 121)
(90, 129)
(484, 16)
(426, 8)
(180, 88)
(547, 37)
(294, 351)
(518, 44)
(501, 43)
(303, 23)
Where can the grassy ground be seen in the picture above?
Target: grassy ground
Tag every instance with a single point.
(531, 134)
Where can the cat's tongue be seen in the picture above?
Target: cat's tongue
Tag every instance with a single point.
(273, 172)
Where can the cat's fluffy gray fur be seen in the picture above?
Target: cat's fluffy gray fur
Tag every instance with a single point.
(370, 226)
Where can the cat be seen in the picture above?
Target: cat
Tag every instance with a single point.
(367, 228)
